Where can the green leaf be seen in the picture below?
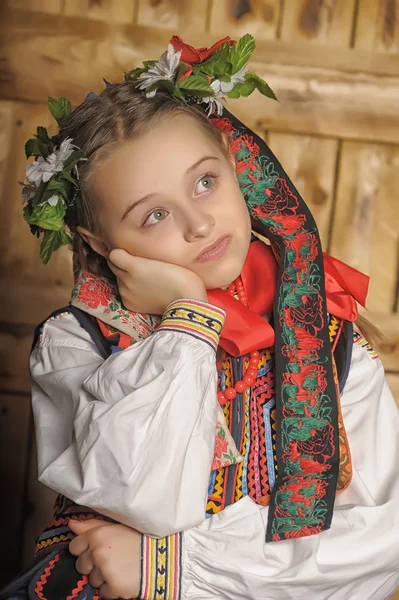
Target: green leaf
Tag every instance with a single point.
(46, 216)
(148, 63)
(60, 108)
(242, 89)
(241, 53)
(134, 73)
(52, 240)
(66, 176)
(196, 85)
(42, 135)
(217, 64)
(35, 147)
(261, 85)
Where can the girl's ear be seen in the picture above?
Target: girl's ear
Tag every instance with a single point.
(94, 241)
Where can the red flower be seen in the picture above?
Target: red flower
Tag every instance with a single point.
(221, 445)
(194, 55)
(320, 447)
(280, 198)
(310, 314)
(95, 292)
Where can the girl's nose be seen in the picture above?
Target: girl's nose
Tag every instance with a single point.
(198, 225)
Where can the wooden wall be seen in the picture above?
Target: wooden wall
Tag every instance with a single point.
(334, 65)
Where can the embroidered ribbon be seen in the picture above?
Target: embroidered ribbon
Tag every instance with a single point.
(245, 330)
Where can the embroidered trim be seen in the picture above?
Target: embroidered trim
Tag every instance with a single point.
(302, 499)
(161, 567)
(199, 319)
(361, 341)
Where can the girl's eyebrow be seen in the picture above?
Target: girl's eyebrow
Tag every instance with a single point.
(148, 196)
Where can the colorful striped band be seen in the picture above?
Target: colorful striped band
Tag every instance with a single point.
(199, 319)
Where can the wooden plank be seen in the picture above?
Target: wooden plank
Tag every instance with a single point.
(15, 345)
(318, 22)
(181, 16)
(377, 26)
(328, 100)
(386, 343)
(14, 437)
(310, 163)
(53, 7)
(39, 507)
(237, 17)
(366, 222)
(113, 11)
(20, 264)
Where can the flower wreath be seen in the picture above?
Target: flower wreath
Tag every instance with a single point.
(202, 76)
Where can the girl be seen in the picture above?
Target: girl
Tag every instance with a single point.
(199, 371)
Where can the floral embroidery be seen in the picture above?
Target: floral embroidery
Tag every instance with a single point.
(303, 496)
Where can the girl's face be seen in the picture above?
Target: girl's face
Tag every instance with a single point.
(171, 195)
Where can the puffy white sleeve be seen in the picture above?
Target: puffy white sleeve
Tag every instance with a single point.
(358, 557)
(132, 436)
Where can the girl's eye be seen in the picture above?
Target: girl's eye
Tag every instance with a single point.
(206, 183)
(156, 216)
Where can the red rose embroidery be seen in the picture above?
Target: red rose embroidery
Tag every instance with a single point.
(320, 446)
(221, 445)
(95, 292)
(280, 198)
(310, 314)
(194, 55)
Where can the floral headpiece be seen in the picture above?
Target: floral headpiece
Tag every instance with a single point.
(202, 76)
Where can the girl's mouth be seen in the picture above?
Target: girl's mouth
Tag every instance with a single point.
(214, 251)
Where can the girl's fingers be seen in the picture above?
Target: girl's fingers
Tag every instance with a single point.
(80, 527)
(106, 592)
(120, 259)
(79, 545)
(85, 564)
(96, 579)
(116, 270)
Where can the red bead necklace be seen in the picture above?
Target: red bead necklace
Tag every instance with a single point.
(252, 372)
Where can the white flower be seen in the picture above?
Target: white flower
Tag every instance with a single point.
(43, 169)
(53, 201)
(165, 68)
(214, 105)
(224, 87)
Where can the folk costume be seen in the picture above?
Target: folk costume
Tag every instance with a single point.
(251, 439)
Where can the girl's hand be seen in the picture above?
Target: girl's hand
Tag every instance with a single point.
(110, 555)
(148, 286)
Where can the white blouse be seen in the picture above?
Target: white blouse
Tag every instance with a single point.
(133, 437)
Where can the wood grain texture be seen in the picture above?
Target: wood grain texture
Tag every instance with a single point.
(310, 163)
(14, 440)
(176, 15)
(20, 264)
(53, 7)
(71, 56)
(366, 221)
(237, 17)
(317, 21)
(377, 26)
(113, 11)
